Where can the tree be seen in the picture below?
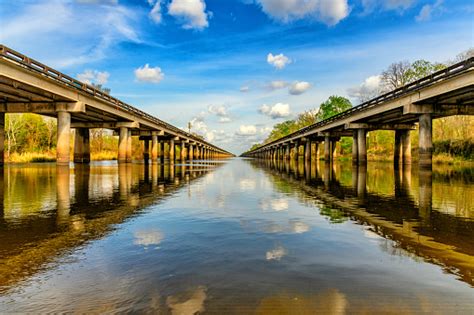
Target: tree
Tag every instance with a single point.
(462, 56)
(422, 68)
(396, 75)
(333, 106)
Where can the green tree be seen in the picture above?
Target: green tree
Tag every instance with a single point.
(333, 106)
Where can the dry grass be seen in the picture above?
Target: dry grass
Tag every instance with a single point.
(31, 157)
(104, 155)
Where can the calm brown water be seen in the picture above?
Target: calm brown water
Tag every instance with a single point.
(239, 236)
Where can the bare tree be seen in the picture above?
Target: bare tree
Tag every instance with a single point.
(396, 75)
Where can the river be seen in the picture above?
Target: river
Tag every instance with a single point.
(237, 236)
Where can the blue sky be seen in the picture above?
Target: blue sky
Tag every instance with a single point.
(234, 68)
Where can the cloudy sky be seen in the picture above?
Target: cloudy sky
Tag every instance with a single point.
(233, 68)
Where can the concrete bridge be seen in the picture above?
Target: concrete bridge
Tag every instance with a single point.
(444, 93)
(28, 86)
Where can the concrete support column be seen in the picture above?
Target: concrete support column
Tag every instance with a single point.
(333, 149)
(129, 147)
(287, 151)
(425, 146)
(307, 151)
(362, 146)
(154, 147)
(122, 146)
(2, 139)
(146, 151)
(82, 152)
(63, 142)
(183, 151)
(161, 145)
(327, 149)
(397, 149)
(406, 147)
(171, 151)
(296, 151)
(355, 148)
(191, 152)
(316, 151)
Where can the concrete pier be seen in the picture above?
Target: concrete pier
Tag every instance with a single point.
(63, 142)
(327, 149)
(123, 143)
(82, 152)
(355, 148)
(425, 141)
(362, 146)
(406, 147)
(146, 151)
(2, 139)
(154, 147)
(183, 151)
(307, 151)
(171, 151)
(129, 146)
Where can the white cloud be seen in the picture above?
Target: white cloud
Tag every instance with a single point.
(278, 61)
(146, 238)
(155, 13)
(299, 87)
(276, 254)
(93, 76)
(247, 130)
(276, 85)
(279, 110)
(95, 30)
(329, 12)
(244, 89)
(220, 111)
(225, 119)
(190, 12)
(427, 11)
(370, 88)
(147, 74)
(386, 5)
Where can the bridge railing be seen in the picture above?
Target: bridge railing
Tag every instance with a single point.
(38, 67)
(433, 78)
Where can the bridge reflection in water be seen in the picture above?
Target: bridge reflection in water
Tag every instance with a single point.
(427, 213)
(50, 210)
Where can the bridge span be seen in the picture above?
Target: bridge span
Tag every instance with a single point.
(444, 93)
(28, 86)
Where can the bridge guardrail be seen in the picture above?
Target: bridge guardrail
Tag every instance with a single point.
(443, 74)
(37, 66)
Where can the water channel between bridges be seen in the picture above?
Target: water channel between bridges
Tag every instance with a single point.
(237, 236)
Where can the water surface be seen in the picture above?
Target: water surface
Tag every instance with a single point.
(237, 236)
